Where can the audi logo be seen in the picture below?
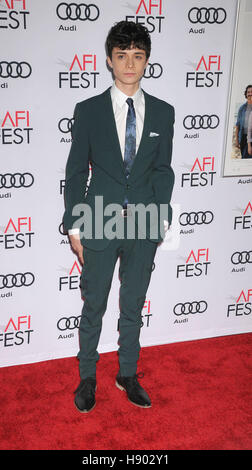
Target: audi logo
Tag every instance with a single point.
(242, 257)
(196, 218)
(190, 307)
(201, 122)
(74, 11)
(16, 180)
(68, 323)
(153, 71)
(16, 280)
(15, 69)
(61, 229)
(65, 125)
(207, 15)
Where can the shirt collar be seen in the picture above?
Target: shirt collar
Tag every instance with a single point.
(119, 97)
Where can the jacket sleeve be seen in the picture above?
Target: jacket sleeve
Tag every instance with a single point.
(163, 175)
(77, 167)
(238, 120)
(250, 128)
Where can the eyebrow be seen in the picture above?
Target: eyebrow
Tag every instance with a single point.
(123, 52)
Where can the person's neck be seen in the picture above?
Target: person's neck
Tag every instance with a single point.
(128, 90)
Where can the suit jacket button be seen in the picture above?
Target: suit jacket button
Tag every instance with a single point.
(127, 186)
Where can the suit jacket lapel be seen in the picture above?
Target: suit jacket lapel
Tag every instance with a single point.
(112, 130)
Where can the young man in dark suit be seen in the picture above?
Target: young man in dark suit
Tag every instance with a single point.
(126, 135)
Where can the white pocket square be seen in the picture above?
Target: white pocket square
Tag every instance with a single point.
(153, 134)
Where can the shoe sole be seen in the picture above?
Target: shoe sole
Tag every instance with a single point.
(124, 390)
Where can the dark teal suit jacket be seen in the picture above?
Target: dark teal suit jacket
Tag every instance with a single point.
(95, 142)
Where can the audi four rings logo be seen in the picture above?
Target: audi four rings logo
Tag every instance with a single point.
(196, 218)
(242, 257)
(201, 122)
(207, 15)
(74, 11)
(16, 180)
(153, 71)
(15, 69)
(16, 280)
(61, 229)
(65, 125)
(190, 307)
(68, 323)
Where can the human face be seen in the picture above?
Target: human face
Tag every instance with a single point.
(249, 95)
(128, 67)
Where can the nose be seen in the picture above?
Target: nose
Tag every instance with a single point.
(130, 62)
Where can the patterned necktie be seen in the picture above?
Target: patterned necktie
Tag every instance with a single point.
(130, 141)
(130, 137)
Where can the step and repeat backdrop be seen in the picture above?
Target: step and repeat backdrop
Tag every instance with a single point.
(53, 56)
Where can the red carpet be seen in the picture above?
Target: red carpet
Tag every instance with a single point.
(200, 390)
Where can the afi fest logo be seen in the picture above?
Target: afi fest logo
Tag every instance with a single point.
(15, 128)
(149, 13)
(13, 14)
(196, 264)
(72, 280)
(209, 77)
(62, 184)
(146, 314)
(16, 332)
(22, 236)
(201, 173)
(82, 72)
(244, 221)
(242, 306)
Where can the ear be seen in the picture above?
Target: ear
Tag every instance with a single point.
(109, 62)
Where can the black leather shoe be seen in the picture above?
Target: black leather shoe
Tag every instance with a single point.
(85, 395)
(135, 393)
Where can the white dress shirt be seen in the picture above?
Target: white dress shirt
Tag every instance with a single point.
(120, 108)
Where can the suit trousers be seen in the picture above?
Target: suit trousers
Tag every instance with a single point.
(135, 267)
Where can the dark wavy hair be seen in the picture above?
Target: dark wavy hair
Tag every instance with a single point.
(127, 34)
(246, 91)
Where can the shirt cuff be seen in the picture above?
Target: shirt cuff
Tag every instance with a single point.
(166, 225)
(74, 231)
